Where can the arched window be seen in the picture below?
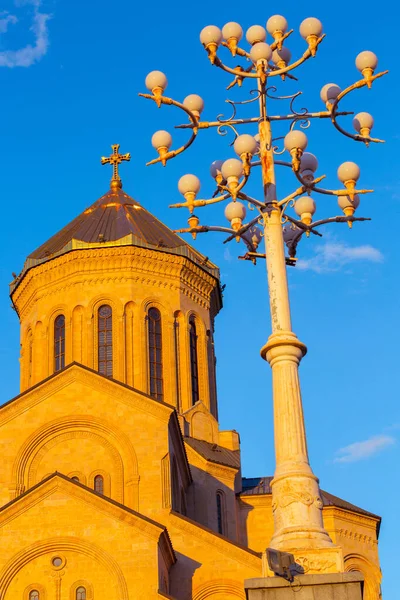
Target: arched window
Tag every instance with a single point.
(99, 484)
(75, 478)
(194, 370)
(155, 353)
(34, 595)
(59, 343)
(80, 593)
(105, 340)
(220, 513)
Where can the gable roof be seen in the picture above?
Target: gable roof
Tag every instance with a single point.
(67, 485)
(215, 453)
(75, 365)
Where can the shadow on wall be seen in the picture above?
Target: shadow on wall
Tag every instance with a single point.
(181, 577)
(213, 504)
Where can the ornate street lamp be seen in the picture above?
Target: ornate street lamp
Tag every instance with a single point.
(296, 501)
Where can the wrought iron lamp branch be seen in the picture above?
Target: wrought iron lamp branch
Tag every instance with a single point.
(232, 176)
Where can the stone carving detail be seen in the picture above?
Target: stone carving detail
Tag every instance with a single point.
(312, 564)
(289, 494)
(359, 537)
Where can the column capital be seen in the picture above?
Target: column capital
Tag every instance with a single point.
(283, 345)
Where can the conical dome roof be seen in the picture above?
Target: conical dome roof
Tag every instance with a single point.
(111, 218)
(115, 219)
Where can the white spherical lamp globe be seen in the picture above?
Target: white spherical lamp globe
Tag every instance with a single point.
(215, 168)
(295, 139)
(253, 235)
(305, 207)
(255, 34)
(363, 120)
(260, 51)
(194, 103)
(281, 55)
(189, 184)
(290, 232)
(232, 168)
(310, 26)
(329, 92)
(308, 162)
(232, 30)
(366, 60)
(210, 35)
(345, 202)
(348, 171)
(156, 79)
(245, 144)
(277, 23)
(235, 210)
(161, 139)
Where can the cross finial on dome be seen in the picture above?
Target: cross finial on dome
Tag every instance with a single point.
(115, 159)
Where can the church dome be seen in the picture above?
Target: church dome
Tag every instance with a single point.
(115, 219)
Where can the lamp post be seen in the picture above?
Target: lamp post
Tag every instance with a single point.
(296, 501)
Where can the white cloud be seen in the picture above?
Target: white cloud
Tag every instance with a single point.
(366, 449)
(5, 20)
(332, 256)
(29, 54)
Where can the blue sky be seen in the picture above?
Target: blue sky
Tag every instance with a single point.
(70, 78)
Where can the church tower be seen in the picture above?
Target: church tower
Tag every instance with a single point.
(118, 292)
(115, 479)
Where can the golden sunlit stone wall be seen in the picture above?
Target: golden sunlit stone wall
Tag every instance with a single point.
(131, 280)
(154, 532)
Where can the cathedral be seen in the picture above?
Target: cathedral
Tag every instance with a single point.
(116, 481)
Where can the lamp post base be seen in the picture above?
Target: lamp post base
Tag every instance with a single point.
(348, 586)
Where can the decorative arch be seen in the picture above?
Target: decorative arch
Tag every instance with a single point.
(78, 333)
(194, 360)
(155, 345)
(106, 481)
(62, 544)
(119, 445)
(81, 583)
(105, 336)
(218, 589)
(77, 474)
(167, 346)
(372, 574)
(27, 357)
(220, 499)
(57, 311)
(129, 326)
(93, 331)
(31, 588)
(202, 358)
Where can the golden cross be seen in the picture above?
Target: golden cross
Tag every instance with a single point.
(115, 159)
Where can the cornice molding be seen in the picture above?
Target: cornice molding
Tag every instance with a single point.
(254, 501)
(352, 517)
(113, 265)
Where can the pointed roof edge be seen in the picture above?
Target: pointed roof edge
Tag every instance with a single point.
(173, 412)
(94, 372)
(108, 500)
